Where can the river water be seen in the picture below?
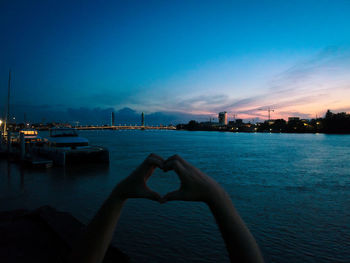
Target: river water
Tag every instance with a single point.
(292, 190)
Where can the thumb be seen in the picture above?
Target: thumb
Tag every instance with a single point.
(149, 194)
(173, 196)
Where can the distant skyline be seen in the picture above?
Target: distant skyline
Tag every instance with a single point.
(175, 58)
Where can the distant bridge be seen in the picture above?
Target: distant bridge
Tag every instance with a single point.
(125, 127)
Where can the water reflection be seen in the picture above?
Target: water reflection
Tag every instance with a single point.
(21, 171)
(292, 190)
(87, 170)
(9, 174)
(21, 180)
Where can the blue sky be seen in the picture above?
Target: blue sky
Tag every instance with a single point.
(188, 57)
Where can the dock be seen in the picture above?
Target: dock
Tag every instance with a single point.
(42, 156)
(63, 157)
(37, 161)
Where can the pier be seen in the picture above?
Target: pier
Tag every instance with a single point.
(22, 152)
(38, 152)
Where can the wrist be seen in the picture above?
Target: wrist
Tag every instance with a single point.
(118, 195)
(216, 196)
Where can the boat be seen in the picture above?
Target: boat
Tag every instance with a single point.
(66, 138)
(30, 136)
(65, 147)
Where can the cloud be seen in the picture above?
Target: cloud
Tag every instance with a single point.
(345, 109)
(297, 114)
(92, 116)
(89, 115)
(308, 87)
(198, 103)
(329, 61)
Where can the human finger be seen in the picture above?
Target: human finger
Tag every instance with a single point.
(188, 166)
(152, 195)
(180, 159)
(173, 196)
(154, 159)
(176, 166)
(153, 155)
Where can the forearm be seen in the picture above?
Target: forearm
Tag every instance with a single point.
(98, 235)
(240, 243)
(94, 243)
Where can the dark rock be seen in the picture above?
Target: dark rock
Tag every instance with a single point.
(42, 235)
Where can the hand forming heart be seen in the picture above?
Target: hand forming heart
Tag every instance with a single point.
(195, 185)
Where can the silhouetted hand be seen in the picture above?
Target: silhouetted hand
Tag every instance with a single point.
(134, 186)
(195, 185)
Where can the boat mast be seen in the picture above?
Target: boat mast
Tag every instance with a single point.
(8, 104)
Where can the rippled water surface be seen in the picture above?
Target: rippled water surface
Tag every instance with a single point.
(292, 190)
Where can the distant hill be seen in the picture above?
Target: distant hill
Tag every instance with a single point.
(97, 116)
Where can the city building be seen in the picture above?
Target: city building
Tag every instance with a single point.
(239, 122)
(142, 119)
(293, 119)
(223, 118)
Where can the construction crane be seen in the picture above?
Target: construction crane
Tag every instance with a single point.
(269, 112)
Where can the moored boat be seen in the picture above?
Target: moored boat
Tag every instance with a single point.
(66, 138)
(64, 146)
(30, 136)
